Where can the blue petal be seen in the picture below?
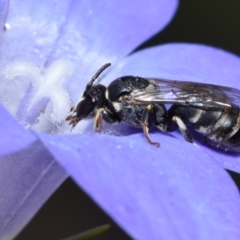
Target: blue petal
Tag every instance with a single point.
(13, 136)
(177, 191)
(48, 29)
(28, 176)
(153, 193)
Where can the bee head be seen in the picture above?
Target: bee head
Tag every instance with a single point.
(93, 98)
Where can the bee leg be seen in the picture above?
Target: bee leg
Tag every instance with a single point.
(97, 125)
(73, 119)
(183, 129)
(145, 121)
(106, 116)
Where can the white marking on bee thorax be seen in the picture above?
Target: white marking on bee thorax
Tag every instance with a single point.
(117, 106)
(107, 94)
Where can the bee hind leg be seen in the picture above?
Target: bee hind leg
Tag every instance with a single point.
(183, 129)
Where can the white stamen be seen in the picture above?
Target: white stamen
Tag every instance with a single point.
(48, 85)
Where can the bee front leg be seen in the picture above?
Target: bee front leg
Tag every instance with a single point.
(97, 125)
(145, 121)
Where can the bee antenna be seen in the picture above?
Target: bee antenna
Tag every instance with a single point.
(97, 74)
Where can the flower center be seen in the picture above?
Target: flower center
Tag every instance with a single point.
(43, 104)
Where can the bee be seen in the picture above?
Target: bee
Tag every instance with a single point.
(211, 110)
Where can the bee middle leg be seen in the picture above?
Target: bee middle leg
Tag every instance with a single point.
(147, 115)
(97, 125)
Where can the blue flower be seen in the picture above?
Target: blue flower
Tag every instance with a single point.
(179, 190)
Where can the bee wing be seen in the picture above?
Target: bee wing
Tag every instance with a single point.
(207, 96)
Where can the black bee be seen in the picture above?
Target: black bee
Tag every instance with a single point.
(209, 109)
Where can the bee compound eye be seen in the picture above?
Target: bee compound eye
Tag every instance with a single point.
(85, 107)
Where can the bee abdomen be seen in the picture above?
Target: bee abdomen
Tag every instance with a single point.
(224, 132)
(220, 128)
